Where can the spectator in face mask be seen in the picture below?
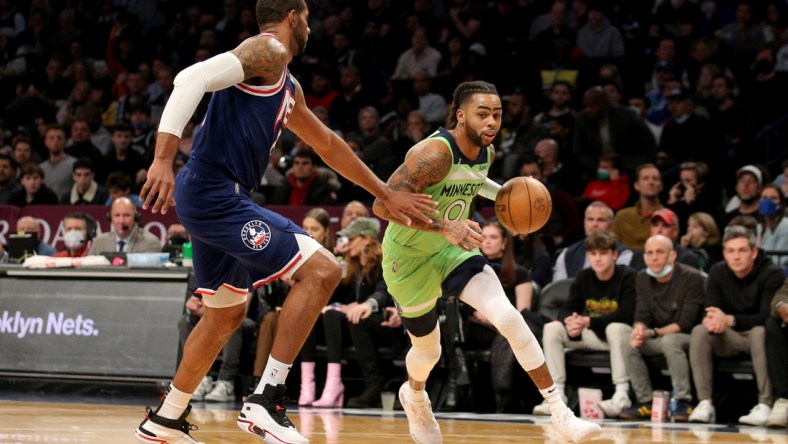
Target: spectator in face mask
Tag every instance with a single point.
(610, 186)
(78, 232)
(773, 230)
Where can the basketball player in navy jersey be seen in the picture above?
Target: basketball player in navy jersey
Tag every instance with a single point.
(238, 245)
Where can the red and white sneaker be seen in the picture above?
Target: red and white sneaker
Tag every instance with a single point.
(264, 415)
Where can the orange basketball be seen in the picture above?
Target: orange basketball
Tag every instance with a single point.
(523, 205)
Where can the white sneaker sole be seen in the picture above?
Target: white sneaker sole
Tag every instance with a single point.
(158, 439)
(266, 434)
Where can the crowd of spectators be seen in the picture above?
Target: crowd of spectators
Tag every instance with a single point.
(598, 89)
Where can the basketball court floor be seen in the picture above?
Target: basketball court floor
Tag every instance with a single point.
(40, 417)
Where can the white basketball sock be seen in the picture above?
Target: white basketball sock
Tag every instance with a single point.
(174, 404)
(275, 373)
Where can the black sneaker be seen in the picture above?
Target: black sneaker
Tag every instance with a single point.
(639, 410)
(159, 430)
(683, 411)
(264, 415)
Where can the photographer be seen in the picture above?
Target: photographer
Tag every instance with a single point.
(689, 195)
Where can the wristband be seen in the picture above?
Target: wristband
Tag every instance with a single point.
(489, 189)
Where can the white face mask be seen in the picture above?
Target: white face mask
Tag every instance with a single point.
(73, 239)
(661, 274)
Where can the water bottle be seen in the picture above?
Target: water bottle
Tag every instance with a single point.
(673, 406)
(187, 254)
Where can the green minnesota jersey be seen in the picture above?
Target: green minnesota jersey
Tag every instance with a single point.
(454, 195)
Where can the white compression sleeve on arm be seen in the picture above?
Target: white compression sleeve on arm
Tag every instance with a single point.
(489, 189)
(219, 72)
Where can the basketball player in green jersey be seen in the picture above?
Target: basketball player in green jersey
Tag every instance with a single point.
(423, 261)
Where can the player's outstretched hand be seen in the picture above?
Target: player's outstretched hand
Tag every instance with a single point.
(404, 205)
(161, 185)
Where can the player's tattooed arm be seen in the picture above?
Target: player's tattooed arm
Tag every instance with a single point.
(263, 58)
(425, 165)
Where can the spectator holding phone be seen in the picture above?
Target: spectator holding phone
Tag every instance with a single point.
(690, 195)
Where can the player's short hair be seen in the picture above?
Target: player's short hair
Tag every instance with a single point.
(738, 231)
(274, 11)
(11, 161)
(83, 162)
(644, 166)
(31, 169)
(308, 154)
(464, 92)
(122, 127)
(118, 180)
(601, 240)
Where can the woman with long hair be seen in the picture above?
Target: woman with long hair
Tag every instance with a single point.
(703, 238)
(317, 223)
(349, 303)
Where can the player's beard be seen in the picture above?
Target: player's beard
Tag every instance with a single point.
(300, 37)
(475, 137)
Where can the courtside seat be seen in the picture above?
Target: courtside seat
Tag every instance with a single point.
(553, 297)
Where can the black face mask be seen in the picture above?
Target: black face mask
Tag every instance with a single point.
(763, 66)
(749, 200)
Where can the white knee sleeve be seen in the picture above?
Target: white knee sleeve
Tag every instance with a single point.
(424, 353)
(485, 293)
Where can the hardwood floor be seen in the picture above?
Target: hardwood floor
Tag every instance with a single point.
(37, 422)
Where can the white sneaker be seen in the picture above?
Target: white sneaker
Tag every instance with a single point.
(571, 428)
(206, 385)
(542, 409)
(613, 406)
(223, 391)
(779, 416)
(264, 415)
(757, 416)
(703, 412)
(424, 429)
(155, 429)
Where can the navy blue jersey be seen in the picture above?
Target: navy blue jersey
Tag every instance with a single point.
(238, 244)
(241, 126)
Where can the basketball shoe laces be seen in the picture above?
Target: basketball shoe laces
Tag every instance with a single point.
(275, 408)
(424, 413)
(177, 424)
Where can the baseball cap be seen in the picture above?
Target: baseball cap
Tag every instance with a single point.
(676, 93)
(478, 48)
(667, 215)
(361, 226)
(752, 169)
(665, 66)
